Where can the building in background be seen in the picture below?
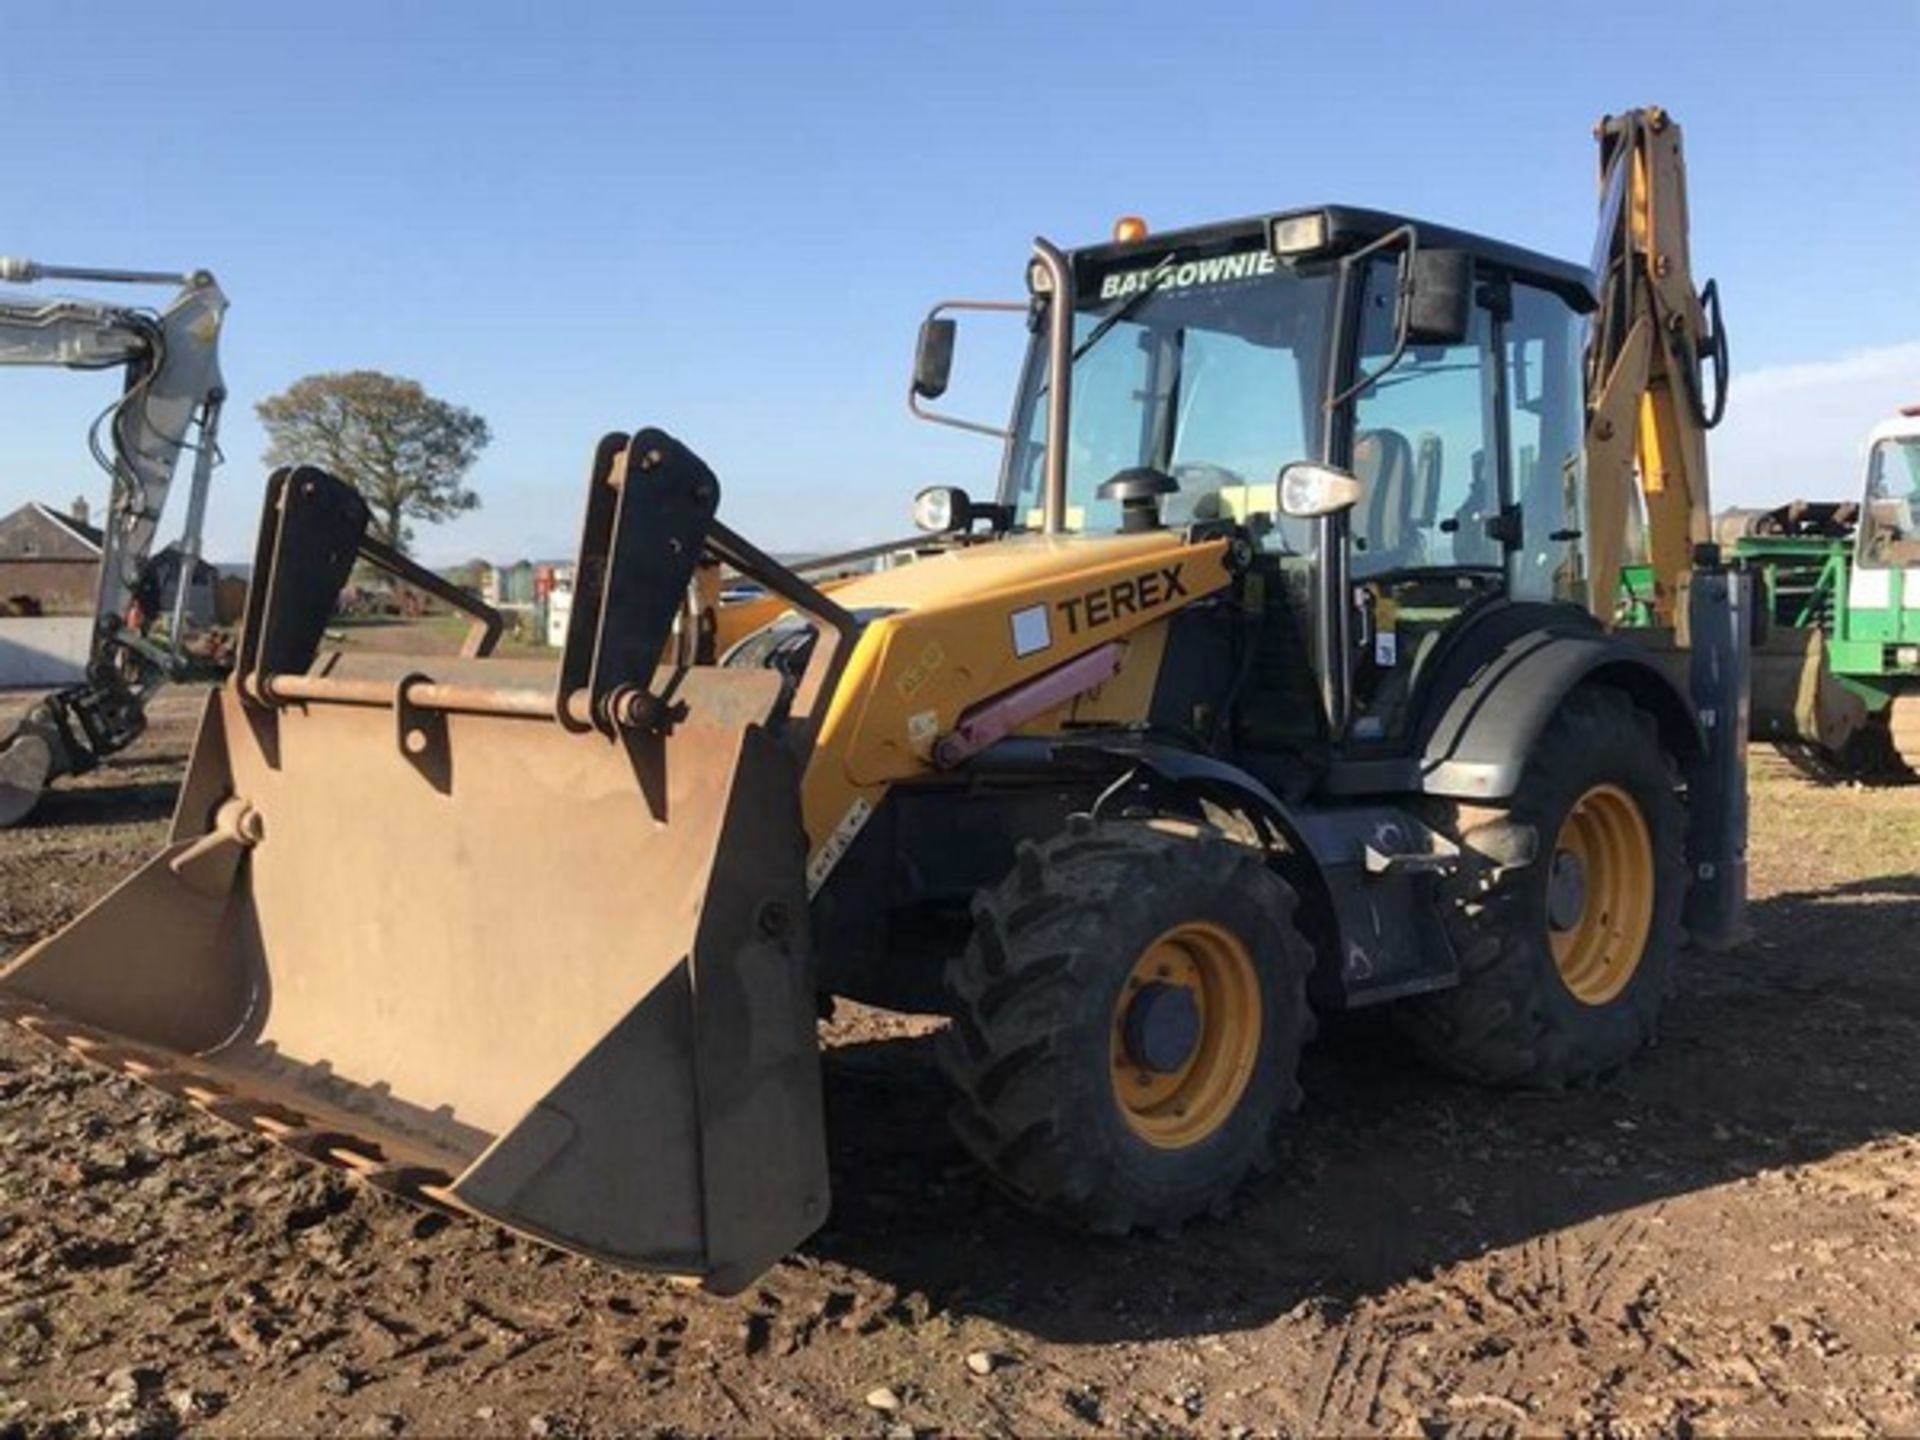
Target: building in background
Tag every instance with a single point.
(50, 564)
(203, 591)
(49, 561)
(558, 602)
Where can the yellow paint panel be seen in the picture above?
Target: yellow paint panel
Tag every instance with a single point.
(963, 605)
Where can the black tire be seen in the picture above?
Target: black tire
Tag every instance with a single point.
(1512, 1019)
(1035, 995)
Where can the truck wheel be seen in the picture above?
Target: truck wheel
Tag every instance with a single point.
(1128, 1019)
(1903, 726)
(1868, 757)
(1565, 962)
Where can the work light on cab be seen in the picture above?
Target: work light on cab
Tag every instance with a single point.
(1290, 236)
(941, 508)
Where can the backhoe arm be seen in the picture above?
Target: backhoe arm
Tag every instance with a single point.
(1648, 406)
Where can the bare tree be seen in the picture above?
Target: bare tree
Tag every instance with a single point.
(406, 451)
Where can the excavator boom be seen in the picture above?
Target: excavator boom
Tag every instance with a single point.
(169, 408)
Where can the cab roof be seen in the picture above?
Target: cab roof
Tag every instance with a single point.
(1349, 227)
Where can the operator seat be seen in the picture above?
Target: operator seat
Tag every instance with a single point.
(1890, 524)
(1383, 461)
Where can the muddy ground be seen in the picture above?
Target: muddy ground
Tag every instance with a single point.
(1726, 1239)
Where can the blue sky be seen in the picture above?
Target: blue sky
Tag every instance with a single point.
(728, 220)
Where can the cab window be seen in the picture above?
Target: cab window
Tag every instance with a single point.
(1890, 534)
(1547, 447)
(1423, 447)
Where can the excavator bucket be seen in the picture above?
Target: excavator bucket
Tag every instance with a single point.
(485, 936)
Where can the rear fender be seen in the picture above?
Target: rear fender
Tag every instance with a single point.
(1477, 744)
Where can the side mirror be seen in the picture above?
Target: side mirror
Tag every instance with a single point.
(1440, 307)
(933, 357)
(1308, 490)
(942, 509)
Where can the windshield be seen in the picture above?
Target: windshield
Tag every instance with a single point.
(1887, 533)
(1207, 364)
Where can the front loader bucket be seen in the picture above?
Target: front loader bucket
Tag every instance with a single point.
(569, 991)
(556, 975)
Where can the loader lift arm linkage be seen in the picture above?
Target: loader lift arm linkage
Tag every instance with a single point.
(169, 407)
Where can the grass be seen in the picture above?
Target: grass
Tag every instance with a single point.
(436, 634)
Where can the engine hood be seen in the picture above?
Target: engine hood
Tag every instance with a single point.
(978, 571)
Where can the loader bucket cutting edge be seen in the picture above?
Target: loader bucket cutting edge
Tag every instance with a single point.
(558, 980)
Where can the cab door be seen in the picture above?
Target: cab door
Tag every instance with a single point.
(1430, 536)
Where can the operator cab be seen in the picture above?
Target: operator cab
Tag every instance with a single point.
(1439, 370)
(1889, 530)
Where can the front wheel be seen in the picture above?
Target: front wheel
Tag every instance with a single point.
(1566, 962)
(1128, 1019)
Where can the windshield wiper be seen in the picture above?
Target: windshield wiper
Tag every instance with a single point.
(1148, 288)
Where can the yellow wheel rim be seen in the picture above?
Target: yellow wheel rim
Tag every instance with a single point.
(1600, 894)
(1204, 977)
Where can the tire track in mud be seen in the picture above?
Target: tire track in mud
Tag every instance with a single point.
(1615, 1264)
(1350, 1391)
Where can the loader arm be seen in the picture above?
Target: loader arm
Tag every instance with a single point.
(1652, 336)
(169, 407)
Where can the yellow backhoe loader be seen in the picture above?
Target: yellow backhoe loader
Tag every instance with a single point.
(1282, 674)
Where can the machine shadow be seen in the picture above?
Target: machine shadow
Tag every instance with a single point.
(1788, 1050)
(76, 806)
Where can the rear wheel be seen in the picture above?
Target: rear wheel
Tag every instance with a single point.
(1565, 962)
(1128, 1019)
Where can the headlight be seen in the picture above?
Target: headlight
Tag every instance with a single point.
(942, 508)
(1039, 278)
(1307, 490)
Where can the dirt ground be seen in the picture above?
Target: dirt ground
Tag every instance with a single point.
(1723, 1240)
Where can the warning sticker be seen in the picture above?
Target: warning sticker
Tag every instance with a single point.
(1032, 632)
(837, 844)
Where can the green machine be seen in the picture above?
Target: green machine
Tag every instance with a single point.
(1837, 674)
